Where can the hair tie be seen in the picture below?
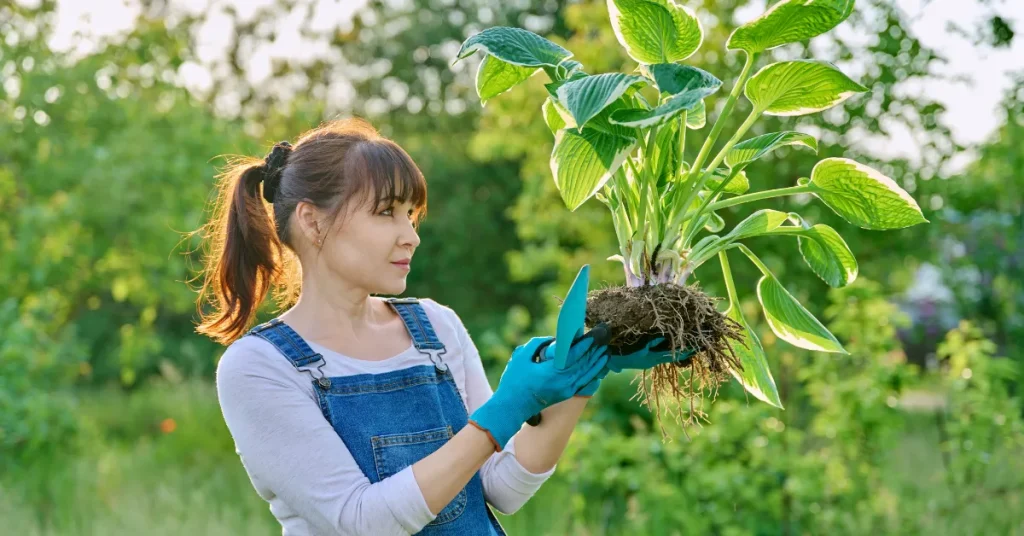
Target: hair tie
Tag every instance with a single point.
(273, 163)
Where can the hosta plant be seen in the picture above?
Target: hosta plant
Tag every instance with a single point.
(620, 138)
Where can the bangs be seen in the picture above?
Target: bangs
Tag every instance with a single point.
(386, 174)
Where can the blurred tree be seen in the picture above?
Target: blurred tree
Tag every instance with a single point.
(982, 253)
(103, 163)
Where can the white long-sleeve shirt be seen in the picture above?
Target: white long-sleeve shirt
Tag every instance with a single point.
(299, 464)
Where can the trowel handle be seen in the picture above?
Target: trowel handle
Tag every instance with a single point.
(601, 335)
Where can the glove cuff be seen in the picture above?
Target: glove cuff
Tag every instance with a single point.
(500, 418)
(497, 447)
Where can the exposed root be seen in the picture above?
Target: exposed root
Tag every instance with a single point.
(688, 319)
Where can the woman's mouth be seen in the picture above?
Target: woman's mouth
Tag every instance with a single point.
(402, 265)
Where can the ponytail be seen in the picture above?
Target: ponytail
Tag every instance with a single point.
(247, 256)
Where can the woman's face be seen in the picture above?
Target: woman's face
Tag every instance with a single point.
(364, 250)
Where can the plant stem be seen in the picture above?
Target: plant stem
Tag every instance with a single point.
(705, 149)
(756, 196)
(692, 231)
(627, 194)
(754, 114)
(720, 121)
(753, 258)
(645, 183)
(700, 257)
(682, 142)
(730, 286)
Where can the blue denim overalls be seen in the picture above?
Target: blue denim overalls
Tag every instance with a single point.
(394, 419)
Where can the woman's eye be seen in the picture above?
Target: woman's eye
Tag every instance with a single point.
(387, 212)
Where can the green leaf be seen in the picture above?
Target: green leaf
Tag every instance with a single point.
(737, 186)
(863, 196)
(799, 87)
(514, 45)
(582, 162)
(495, 77)
(655, 31)
(602, 121)
(758, 223)
(747, 151)
(665, 112)
(569, 67)
(714, 223)
(585, 97)
(789, 21)
(673, 78)
(687, 85)
(790, 321)
(664, 157)
(706, 242)
(697, 117)
(755, 377)
(552, 87)
(828, 255)
(552, 116)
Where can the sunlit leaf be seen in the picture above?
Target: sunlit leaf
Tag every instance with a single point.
(799, 87)
(495, 77)
(585, 97)
(790, 321)
(789, 21)
(747, 151)
(552, 116)
(673, 78)
(655, 31)
(828, 255)
(582, 162)
(715, 222)
(697, 117)
(758, 223)
(663, 113)
(687, 85)
(602, 121)
(755, 377)
(737, 186)
(864, 196)
(514, 45)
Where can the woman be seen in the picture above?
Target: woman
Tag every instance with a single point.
(349, 411)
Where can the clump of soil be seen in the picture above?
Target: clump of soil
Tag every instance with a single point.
(688, 319)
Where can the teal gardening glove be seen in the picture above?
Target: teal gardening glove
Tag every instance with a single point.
(642, 359)
(527, 387)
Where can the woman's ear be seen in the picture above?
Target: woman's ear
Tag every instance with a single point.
(308, 217)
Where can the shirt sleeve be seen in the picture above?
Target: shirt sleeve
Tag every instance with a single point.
(288, 446)
(507, 484)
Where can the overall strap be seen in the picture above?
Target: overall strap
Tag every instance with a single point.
(294, 347)
(422, 331)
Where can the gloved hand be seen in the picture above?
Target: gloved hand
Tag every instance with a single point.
(526, 387)
(642, 359)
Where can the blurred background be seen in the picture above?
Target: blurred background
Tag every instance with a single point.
(115, 114)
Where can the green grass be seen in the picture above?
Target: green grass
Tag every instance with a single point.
(124, 475)
(128, 477)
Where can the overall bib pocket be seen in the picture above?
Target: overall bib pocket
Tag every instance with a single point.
(394, 452)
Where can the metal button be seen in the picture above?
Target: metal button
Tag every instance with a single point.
(324, 382)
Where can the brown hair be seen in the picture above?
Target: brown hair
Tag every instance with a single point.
(331, 166)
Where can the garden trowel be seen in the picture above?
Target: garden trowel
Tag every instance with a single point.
(569, 329)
